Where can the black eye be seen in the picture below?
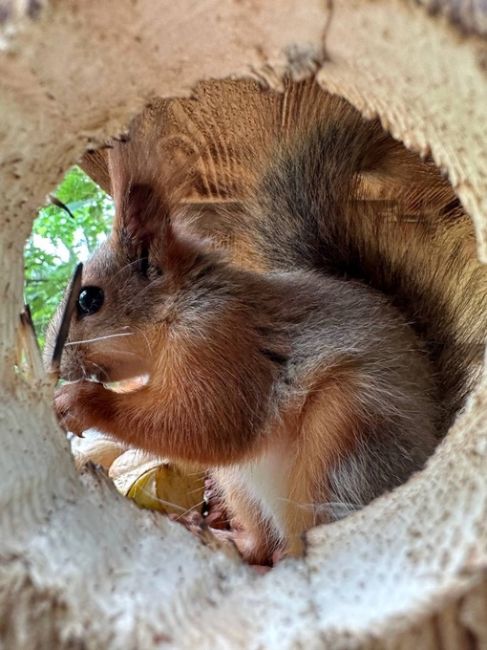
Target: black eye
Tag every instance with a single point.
(90, 300)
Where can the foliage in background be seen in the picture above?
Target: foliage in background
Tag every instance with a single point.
(58, 242)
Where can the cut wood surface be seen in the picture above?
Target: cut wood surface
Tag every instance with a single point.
(80, 566)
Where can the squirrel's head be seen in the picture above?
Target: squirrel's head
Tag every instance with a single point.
(140, 281)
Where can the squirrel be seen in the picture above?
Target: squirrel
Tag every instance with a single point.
(309, 383)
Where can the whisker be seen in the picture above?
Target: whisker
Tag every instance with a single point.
(324, 504)
(169, 503)
(189, 509)
(148, 286)
(139, 329)
(163, 501)
(198, 489)
(102, 370)
(99, 338)
(84, 371)
(126, 266)
(227, 520)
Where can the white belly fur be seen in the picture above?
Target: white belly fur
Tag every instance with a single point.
(265, 481)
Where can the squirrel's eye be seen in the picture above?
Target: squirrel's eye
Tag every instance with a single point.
(90, 300)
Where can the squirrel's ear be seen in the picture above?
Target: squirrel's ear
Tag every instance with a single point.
(178, 253)
(147, 227)
(140, 205)
(147, 199)
(142, 213)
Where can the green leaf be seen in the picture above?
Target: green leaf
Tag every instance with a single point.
(57, 240)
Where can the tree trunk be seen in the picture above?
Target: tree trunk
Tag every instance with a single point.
(80, 566)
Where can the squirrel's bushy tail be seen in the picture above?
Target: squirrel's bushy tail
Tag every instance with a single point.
(343, 197)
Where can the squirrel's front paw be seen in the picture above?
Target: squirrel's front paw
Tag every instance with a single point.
(72, 405)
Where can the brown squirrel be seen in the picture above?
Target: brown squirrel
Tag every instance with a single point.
(301, 382)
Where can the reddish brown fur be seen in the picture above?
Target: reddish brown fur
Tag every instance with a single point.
(314, 431)
(174, 405)
(301, 389)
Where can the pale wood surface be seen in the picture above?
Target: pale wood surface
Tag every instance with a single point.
(79, 566)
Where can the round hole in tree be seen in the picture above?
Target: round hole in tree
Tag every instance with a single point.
(287, 287)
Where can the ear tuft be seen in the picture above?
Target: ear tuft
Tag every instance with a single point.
(147, 197)
(145, 190)
(143, 212)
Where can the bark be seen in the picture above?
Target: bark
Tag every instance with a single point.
(80, 567)
(468, 16)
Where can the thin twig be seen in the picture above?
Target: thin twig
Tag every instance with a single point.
(59, 204)
(63, 331)
(30, 343)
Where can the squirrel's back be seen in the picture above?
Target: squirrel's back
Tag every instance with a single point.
(340, 196)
